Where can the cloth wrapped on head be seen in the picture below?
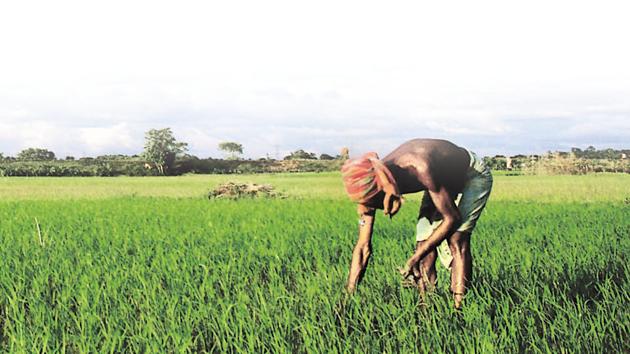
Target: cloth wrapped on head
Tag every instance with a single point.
(366, 176)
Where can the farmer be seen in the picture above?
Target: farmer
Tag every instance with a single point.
(441, 169)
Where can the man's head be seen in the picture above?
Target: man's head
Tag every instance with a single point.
(370, 183)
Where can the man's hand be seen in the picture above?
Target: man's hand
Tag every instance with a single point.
(411, 271)
(445, 205)
(406, 271)
(416, 278)
(392, 200)
(391, 204)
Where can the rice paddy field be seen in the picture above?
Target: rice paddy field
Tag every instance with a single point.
(151, 265)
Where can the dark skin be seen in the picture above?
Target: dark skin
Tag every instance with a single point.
(439, 168)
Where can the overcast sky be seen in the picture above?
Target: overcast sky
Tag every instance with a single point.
(88, 78)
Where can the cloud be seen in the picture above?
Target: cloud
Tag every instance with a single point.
(108, 139)
(277, 81)
(68, 139)
(275, 127)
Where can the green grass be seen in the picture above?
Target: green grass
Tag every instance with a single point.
(605, 187)
(150, 265)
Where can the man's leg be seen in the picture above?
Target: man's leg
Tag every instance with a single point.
(461, 267)
(425, 271)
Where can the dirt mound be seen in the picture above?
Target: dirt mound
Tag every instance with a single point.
(233, 190)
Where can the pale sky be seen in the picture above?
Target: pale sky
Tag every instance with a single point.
(85, 78)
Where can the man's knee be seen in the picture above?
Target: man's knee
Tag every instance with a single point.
(459, 243)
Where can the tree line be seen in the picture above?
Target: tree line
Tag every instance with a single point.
(576, 161)
(163, 154)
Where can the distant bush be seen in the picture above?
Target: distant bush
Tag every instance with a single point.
(555, 164)
(604, 154)
(102, 166)
(36, 154)
(48, 169)
(326, 157)
(73, 168)
(497, 163)
(301, 155)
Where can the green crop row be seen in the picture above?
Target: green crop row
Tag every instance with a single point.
(147, 274)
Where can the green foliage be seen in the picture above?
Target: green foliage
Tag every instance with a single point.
(326, 157)
(562, 163)
(72, 168)
(495, 163)
(232, 149)
(131, 166)
(592, 153)
(36, 154)
(114, 157)
(161, 148)
(301, 155)
(134, 274)
(37, 162)
(571, 165)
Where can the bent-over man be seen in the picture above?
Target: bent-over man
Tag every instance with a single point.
(443, 170)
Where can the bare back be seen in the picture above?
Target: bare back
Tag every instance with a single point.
(445, 162)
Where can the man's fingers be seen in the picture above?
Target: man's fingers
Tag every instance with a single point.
(417, 273)
(395, 206)
(409, 283)
(406, 271)
(386, 203)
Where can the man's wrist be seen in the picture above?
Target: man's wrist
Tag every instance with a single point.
(350, 288)
(365, 210)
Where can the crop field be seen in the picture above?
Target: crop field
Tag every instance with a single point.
(151, 265)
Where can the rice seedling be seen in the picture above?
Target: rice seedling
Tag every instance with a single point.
(152, 265)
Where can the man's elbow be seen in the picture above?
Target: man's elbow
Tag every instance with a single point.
(454, 221)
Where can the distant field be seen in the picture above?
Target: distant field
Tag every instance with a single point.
(588, 188)
(149, 264)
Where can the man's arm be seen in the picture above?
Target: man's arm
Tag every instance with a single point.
(451, 220)
(363, 248)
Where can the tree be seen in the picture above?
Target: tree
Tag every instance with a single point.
(232, 149)
(36, 154)
(117, 157)
(301, 155)
(326, 157)
(161, 148)
(577, 152)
